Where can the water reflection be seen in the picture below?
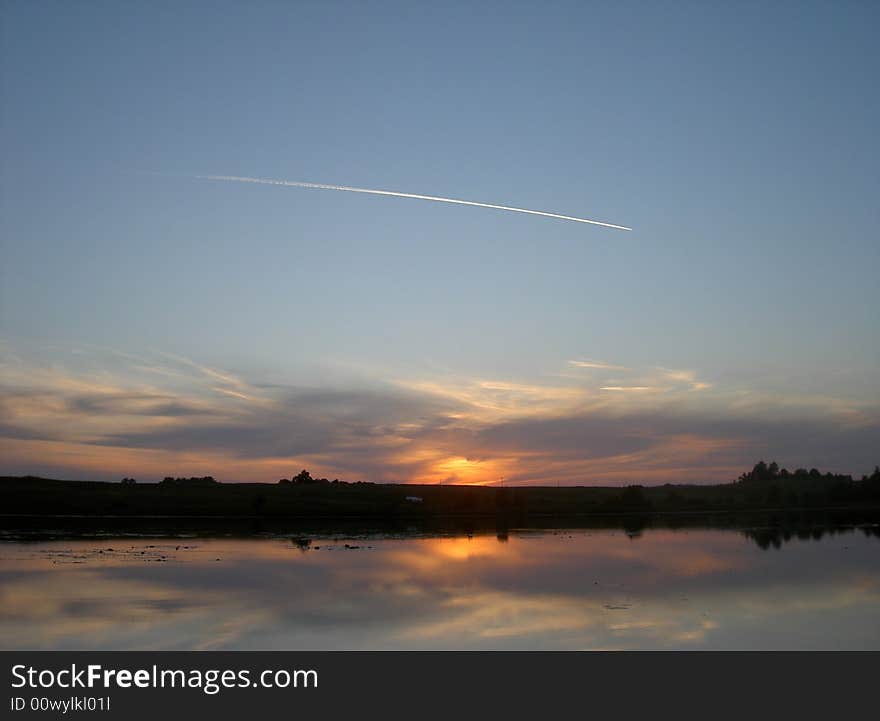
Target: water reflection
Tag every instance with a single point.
(579, 588)
(775, 536)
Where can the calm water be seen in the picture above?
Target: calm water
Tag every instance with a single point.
(577, 589)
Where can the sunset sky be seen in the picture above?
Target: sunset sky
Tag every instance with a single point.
(153, 323)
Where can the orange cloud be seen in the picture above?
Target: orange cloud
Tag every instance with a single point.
(145, 418)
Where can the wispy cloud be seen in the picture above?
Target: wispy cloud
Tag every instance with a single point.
(229, 384)
(654, 378)
(595, 364)
(234, 394)
(481, 399)
(686, 377)
(111, 419)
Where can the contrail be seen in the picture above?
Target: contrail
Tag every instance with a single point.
(324, 186)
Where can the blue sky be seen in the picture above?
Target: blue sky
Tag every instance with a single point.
(739, 141)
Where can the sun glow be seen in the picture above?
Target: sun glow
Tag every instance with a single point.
(465, 471)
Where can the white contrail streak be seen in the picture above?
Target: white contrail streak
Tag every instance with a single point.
(323, 186)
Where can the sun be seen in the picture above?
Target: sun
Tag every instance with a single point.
(464, 471)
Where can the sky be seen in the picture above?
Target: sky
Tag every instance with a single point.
(156, 323)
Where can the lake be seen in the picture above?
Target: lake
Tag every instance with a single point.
(578, 588)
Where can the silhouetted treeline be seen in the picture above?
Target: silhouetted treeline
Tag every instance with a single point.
(191, 481)
(765, 487)
(304, 478)
(764, 472)
(771, 485)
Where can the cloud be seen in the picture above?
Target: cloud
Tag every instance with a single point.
(595, 364)
(657, 378)
(195, 419)
(481, 399)
(686, 377)
(142, 404)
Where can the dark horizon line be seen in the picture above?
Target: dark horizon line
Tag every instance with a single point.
(760, 471)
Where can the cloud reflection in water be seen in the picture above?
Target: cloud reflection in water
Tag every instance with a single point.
(556, 590)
